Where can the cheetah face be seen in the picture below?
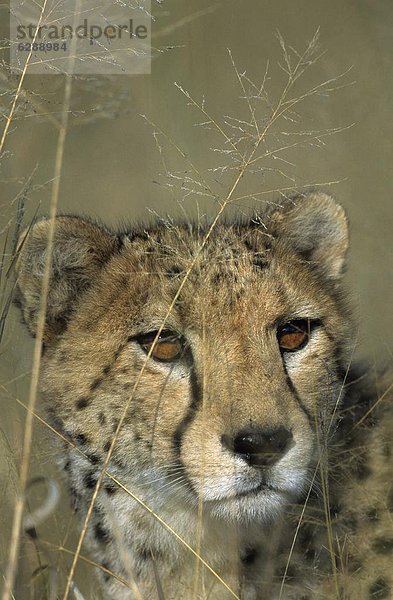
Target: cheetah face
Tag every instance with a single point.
(248, 438)
(217, 362)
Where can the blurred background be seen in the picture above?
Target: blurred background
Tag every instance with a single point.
(134, 144)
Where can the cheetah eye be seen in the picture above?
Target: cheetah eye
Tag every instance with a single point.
(294, 335)
(169, 346)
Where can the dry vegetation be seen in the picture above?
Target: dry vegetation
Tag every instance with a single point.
(250, 164)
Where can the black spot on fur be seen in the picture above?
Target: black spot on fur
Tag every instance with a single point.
(106, 446)
(82, 403)
(106, 369)
(32, 532)
(102, 418)
(249, 557)
(94, 458)
(260, 263)
(90, 480)
(144, 554)
(334, 511)
(67, 466)
(81, 438)
(372, 514)
(173, 271)
(101, 534)
(307, 255)
(379, 590)
(111, 489)
(96, 383)
(383, 545)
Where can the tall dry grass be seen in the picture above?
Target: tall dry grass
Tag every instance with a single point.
(249, 148)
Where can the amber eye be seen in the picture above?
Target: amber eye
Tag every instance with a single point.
(294, 335)
(170, 346)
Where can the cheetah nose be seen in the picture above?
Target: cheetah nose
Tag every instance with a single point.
(258, 447)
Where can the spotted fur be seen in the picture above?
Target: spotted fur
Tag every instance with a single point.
(314, 522)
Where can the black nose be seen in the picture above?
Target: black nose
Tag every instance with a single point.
(258, 447)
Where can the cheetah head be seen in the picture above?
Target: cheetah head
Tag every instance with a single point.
(216, 354)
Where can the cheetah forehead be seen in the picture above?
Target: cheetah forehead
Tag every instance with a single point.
(175, 252)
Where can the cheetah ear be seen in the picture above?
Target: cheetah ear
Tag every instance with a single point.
(79, 251)
(316, 226)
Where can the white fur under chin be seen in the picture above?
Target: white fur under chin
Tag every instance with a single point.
(247, 500)
(263, 507)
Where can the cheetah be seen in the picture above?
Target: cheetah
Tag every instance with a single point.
(202, 378)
